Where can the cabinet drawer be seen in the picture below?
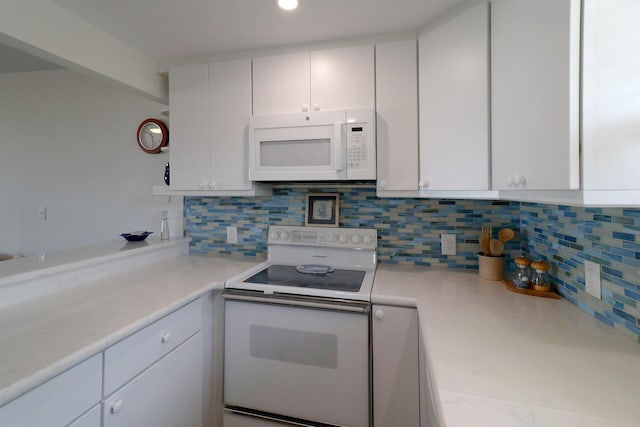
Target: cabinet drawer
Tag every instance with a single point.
(58, 401)
(132, 355)
(168, 394)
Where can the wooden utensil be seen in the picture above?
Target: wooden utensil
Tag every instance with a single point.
(496, 247)
(485, 245)
(505, 234)
(486, 231)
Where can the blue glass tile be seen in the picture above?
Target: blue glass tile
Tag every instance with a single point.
(632, 294)
(625, 316)
(603, 319)
(633, 328)
(623, 236)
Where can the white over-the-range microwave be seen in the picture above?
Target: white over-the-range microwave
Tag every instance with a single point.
(313, 146)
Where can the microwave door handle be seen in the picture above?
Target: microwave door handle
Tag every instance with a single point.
(340, 146)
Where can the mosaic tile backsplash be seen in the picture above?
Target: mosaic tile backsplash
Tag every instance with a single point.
(566, 236)
(408, 229)
(409, 233)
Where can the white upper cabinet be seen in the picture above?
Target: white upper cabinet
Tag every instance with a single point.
(535, 48)
(189, 128)
(611, 96)
(341, 78)
(281, 83)
(210, 110)
(454, 103)
(397, 116)
(230, 110)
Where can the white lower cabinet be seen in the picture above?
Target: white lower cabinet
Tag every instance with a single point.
(157, 374)
(168, 394)
(396, 382)
(60, 400)
(90, 419)
(153, 378)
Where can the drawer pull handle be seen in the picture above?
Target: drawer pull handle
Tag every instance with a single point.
(379, 314)
(166, 337)
(117, 406)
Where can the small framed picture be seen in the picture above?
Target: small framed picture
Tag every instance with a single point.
(322, 209)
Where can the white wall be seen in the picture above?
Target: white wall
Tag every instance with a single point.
(68, 142)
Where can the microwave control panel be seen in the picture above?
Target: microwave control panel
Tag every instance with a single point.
(357, 146)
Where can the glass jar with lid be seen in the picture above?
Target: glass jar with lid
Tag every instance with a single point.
(540, 280)
(523, 274)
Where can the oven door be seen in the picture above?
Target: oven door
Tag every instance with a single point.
(307, 361)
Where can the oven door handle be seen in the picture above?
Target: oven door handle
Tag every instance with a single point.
(354, 307)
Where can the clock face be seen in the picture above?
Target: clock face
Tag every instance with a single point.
(152, 135)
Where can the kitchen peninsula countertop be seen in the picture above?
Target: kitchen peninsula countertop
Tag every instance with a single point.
(499, 358)
(42, 337)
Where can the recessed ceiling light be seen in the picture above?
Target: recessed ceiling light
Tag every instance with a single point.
(288, 4)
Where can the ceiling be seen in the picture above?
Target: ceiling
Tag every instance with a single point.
(168, 30)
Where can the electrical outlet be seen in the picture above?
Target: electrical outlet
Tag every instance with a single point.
(448, 244)
(592, 279)
(232, 234)
(42, 213)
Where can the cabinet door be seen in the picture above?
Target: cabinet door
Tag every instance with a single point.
(230, 100)
(189, 129)
(90, 419)
(454, 103)
(611, 88)
(342, 78)
(397, 119)
(281, 83)
(168, 394)
(396, 388)
(535, 94)
(58, 401)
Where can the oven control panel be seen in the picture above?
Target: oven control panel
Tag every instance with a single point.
(349, 238)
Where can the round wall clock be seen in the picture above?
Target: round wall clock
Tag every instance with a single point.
(152, 136)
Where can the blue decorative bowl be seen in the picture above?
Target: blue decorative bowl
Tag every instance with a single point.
(136, 236)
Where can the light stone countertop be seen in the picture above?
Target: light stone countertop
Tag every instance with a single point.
(499, 358)
(42, 337)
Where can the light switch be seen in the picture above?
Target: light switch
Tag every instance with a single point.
(592, 279)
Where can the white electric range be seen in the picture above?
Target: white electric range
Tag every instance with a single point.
(337, 263)
(297, 331)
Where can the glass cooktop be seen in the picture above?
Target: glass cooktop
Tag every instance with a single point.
(287, 275)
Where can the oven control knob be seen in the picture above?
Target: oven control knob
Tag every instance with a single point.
(342, 238)
(379, 314)
(332, 237)
(284, 235)
(355, 239)
(367, 239)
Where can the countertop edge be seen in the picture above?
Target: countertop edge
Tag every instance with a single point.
(91, 261)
